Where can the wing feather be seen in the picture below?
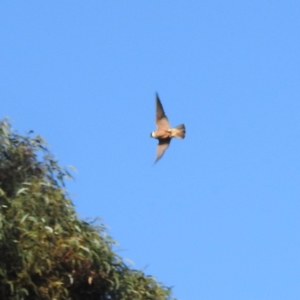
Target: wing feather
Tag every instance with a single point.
(162, 146)
(161, 118)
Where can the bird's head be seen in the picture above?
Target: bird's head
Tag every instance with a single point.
(152, 134)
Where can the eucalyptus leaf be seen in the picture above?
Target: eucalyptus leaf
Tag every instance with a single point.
(22, 190)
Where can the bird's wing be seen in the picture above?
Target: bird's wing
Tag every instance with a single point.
(162, 121)
(162, 146)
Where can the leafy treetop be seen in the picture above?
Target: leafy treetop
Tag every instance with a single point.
(46, 251)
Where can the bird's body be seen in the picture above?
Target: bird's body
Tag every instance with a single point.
(164, 133)
(161, 133)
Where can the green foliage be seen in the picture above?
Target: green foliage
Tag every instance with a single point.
(46, 252)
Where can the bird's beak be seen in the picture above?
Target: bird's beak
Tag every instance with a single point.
(151, 134)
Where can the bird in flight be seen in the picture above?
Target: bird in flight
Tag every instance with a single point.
(164, 133)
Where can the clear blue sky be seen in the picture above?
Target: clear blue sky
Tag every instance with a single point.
(218, 216)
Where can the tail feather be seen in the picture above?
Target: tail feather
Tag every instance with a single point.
(179, 131)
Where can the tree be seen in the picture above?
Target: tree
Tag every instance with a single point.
(46, 251)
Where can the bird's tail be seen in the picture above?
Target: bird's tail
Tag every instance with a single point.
(179, 131)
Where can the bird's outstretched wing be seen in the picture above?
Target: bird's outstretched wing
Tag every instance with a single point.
(162, 121)
(162, 146)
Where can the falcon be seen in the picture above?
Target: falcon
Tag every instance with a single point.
(164, 133)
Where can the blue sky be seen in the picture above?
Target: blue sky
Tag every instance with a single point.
(218, 216)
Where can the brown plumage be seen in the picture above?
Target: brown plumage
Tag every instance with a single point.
(164, 133)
